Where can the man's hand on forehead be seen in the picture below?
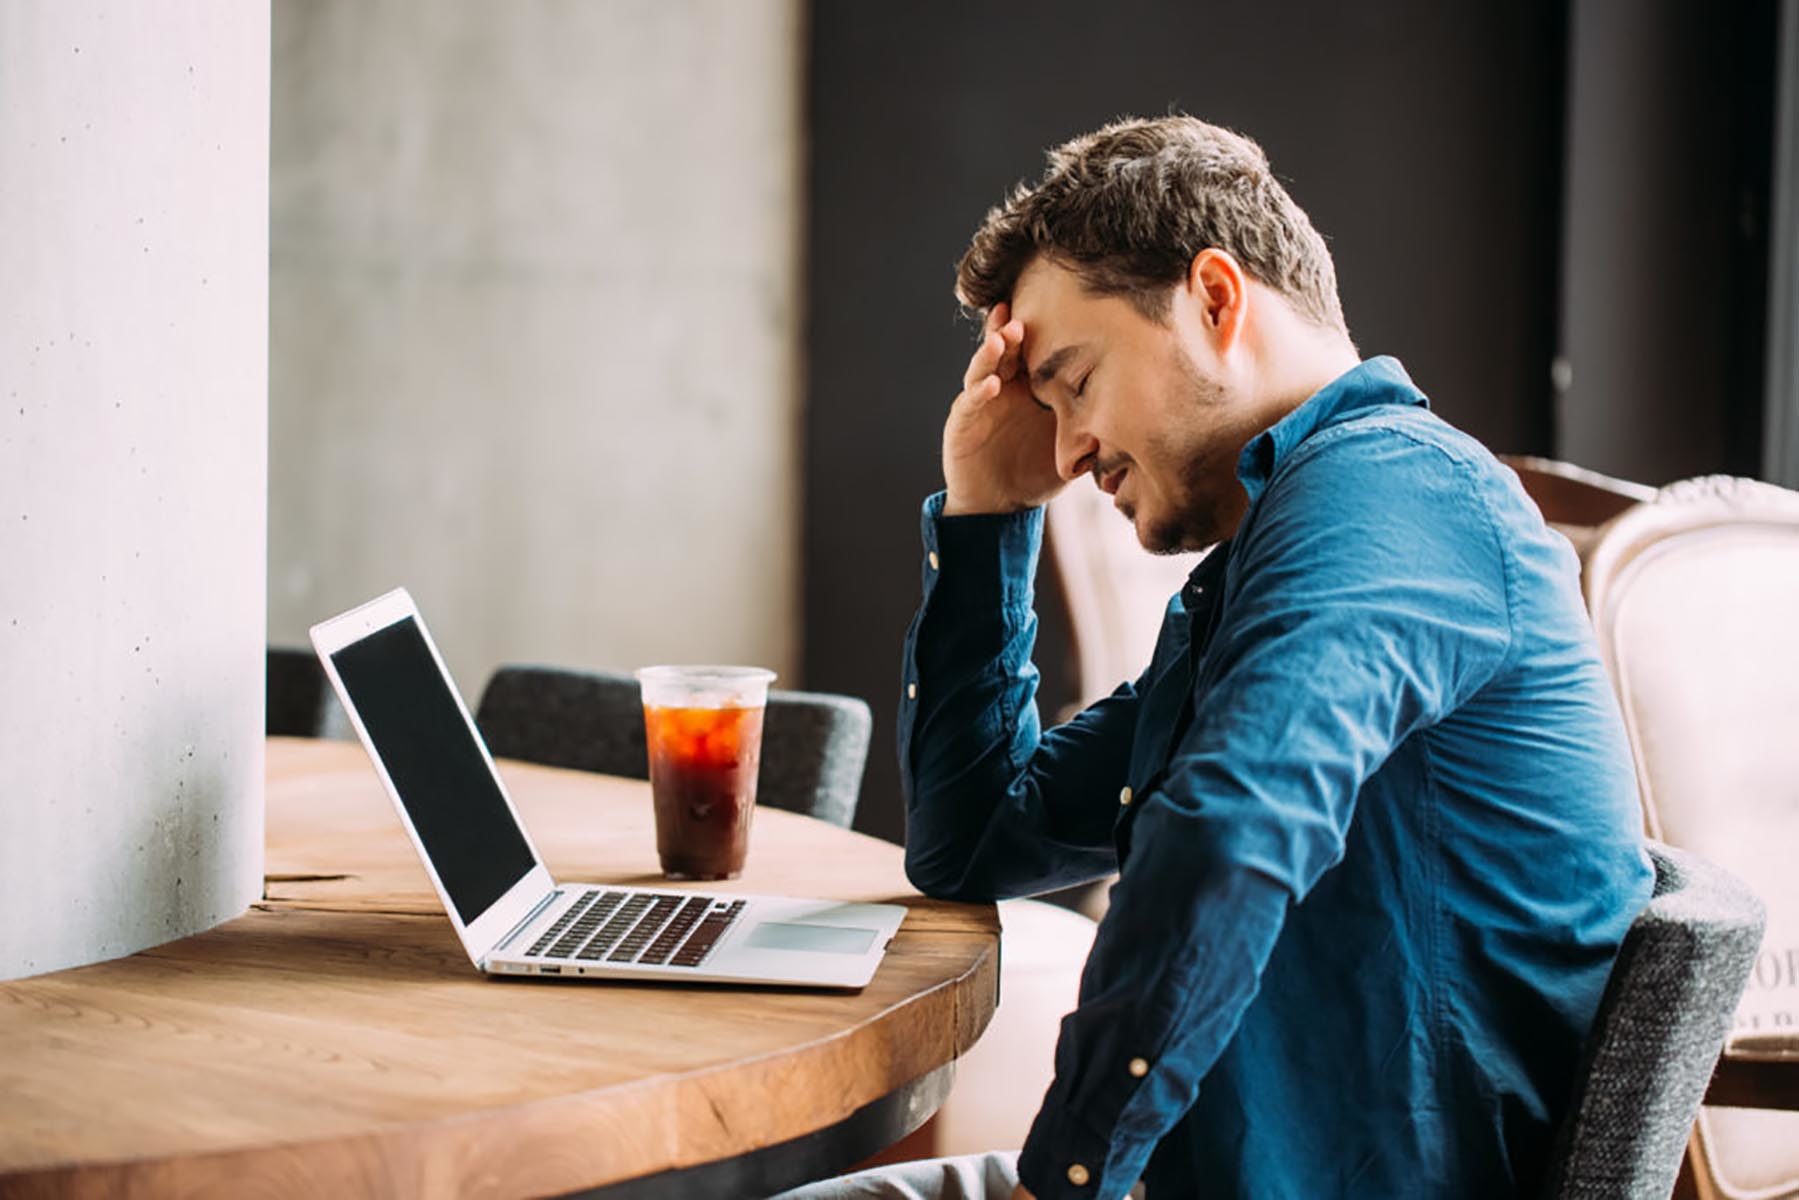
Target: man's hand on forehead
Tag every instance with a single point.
(999, 445)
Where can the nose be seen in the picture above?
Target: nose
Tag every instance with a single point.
(1076, 449)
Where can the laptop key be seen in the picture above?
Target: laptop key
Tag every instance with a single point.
(671, 935)
(559, 929)
(550, 934)
(639, 937)
(622, 920)
(624, 927)
(605, 906)
(585, 927)
(577, 932)
(705, 936)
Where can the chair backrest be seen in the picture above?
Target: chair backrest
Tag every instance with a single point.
(1660, 1026)
(1695, 601)
(1115, 591)
(814, 745)
(300, 700)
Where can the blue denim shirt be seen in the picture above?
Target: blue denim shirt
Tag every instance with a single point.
(1371, 804)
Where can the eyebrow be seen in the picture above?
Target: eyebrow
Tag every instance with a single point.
(1047, 370)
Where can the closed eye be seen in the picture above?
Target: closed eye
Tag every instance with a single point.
(1082, 385)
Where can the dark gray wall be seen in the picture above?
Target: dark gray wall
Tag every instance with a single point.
(1780, 430)
(1424, 138)
(1665, 277)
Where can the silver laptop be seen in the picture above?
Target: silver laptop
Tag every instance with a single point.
(512, 917)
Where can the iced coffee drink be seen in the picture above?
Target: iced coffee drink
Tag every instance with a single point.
(704, 729)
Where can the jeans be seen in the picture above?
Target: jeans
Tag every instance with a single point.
(970, 1177)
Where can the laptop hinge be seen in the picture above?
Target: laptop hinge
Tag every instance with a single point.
(528, 918)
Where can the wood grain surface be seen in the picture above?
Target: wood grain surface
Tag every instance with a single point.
(335, 1040)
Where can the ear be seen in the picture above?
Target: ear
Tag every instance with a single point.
(1220, 293)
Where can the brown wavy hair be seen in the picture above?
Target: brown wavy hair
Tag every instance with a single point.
(1127, 208)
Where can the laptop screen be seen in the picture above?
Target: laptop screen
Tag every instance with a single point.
(422, 738)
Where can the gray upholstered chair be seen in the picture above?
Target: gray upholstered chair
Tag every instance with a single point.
(814, 745)
(300, 700)
(1661, 1025)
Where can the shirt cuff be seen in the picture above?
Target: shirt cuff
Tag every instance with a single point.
(1066, 1159)
(984, 558)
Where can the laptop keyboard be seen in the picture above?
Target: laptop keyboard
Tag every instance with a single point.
(631, 927)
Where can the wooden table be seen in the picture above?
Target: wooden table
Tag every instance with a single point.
(336, 1041)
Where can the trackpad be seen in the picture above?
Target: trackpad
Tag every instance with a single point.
(825, 939)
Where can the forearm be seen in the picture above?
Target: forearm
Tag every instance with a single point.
(994, 807)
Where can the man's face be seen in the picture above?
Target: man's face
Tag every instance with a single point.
(1146, 409)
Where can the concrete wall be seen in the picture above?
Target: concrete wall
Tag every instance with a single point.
(133, 368)
(534, 322)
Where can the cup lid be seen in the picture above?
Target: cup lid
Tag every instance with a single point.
(701, 674)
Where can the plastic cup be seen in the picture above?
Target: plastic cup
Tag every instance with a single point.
(704, 729)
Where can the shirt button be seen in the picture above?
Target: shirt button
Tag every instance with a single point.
(911, 691)
(1139, 1068)
(1077, 1175)
(1124, 797)
(933, 560)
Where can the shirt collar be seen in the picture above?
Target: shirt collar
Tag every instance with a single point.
(1372, 382)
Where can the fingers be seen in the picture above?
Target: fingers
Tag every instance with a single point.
(979, 392)
(986, 358)
(1002, 342)
(1012, 334)
(999, 320)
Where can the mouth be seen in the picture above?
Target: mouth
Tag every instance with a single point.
(1110, 482)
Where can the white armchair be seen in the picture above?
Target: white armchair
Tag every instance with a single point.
(1695, 598)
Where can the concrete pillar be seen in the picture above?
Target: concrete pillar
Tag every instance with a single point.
(133, 472)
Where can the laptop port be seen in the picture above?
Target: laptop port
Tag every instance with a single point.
(551, 970)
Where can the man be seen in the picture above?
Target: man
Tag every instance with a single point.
(1371, 805)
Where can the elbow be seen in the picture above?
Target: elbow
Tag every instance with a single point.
(941, 876)
(929, 874)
